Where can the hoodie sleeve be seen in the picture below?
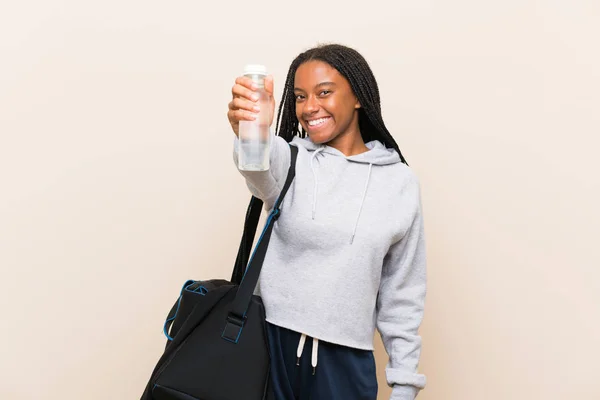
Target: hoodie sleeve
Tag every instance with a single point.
(400, 305)
(267, 185)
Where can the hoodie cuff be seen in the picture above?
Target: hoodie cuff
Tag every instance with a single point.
(404, 392)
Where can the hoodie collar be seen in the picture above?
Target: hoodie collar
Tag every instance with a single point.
(377, 154)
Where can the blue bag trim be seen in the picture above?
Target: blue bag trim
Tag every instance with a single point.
(201, 290)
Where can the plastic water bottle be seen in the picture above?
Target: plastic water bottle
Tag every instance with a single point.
(255, 137)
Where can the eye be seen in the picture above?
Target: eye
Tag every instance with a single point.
(325, 92)
(299, 97)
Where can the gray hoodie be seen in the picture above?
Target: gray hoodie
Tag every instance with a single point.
(347, 254)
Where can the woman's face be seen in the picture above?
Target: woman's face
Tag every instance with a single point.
(325, 104)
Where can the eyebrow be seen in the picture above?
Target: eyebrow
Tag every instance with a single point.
(318, 86)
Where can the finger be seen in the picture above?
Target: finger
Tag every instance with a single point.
(241, 91)
(269, 84)
(246, 82)
(243, 104)
(241, 115)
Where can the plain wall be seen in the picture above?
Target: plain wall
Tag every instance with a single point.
(117, 182)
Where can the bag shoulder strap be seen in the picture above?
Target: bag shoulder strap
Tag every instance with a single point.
(237, 315)
(250, 225)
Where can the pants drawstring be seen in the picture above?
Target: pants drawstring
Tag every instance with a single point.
(315, 352)
(300, 348)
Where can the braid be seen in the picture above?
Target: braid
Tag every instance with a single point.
(352, 66)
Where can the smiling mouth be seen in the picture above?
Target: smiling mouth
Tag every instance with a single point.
(315, 123)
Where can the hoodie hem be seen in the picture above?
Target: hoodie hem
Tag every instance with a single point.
(323, 337)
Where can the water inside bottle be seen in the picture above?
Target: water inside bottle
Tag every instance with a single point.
(255, 139)
(254, 146)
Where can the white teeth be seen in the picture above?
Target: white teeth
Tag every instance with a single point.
(317, 121)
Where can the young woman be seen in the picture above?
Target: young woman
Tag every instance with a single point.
(348, 254)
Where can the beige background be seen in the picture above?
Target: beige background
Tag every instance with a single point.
(117, 183)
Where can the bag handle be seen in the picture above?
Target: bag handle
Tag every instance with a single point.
(249, 280)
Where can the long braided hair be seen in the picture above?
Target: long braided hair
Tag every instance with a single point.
(352, 66)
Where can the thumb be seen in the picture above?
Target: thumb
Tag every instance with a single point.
(269, 84)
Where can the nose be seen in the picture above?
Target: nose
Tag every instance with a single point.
(311, 105)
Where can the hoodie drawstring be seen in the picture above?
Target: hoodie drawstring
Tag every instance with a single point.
(316, 179)
(361, 203)
(314, 208)
(315, 351)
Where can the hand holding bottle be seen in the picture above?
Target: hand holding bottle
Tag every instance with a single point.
(245, 102)
(251, 115)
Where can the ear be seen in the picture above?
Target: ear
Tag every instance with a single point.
(357, 105)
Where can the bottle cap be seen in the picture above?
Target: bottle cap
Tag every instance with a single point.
(255, 69)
